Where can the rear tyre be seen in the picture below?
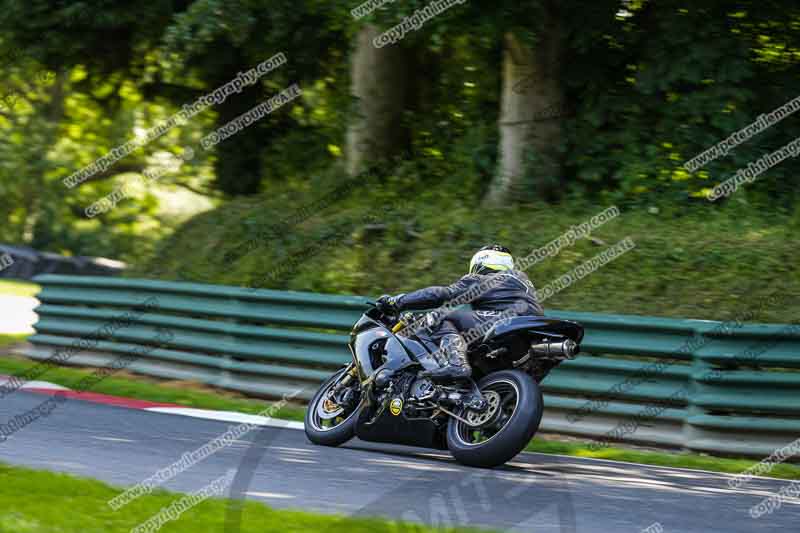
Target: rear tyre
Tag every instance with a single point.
(326, 423)
(514, 415)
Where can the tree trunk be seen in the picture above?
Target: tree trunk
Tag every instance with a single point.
(38, 227)
(530, 120)
(238, 169)
(379, 80)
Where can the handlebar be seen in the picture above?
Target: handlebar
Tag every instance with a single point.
(400, 324)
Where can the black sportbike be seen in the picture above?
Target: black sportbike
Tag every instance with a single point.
(484, 421)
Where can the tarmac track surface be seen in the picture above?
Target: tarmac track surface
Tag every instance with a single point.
(278, 466)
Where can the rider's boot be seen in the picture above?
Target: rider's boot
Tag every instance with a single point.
(456, 367)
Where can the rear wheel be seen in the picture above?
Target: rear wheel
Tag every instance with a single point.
(514, 413)
(327, 422)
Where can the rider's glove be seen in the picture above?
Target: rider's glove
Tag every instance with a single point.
(387, 304)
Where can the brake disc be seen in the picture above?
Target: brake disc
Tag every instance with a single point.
(328, 409)
(480, 419)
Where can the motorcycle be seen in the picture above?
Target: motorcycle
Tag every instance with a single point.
(484, 421)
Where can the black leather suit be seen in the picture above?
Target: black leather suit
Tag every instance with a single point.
(489, 295)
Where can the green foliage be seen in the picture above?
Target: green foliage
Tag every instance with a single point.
(652, 84)
(214, 40)
(669, 80)
(685, 264)
(72, 105)
(649, 85)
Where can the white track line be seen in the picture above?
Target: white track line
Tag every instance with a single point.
(228, 416)
(33, 384)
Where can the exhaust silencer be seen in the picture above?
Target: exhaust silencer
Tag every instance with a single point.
(568, 349)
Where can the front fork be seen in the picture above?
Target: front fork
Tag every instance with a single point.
(350, 374)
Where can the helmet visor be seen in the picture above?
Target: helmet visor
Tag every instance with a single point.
(491, 259)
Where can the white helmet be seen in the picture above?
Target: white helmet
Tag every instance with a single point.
(491, 258)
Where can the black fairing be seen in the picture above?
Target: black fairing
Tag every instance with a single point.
(400, 430)
(375, 347)
(536, 325)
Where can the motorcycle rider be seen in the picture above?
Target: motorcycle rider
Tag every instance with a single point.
(499, 287)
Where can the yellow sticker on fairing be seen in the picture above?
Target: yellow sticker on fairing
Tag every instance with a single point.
(396, 406)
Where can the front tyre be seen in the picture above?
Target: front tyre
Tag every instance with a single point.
(514, 414)
(326, 422)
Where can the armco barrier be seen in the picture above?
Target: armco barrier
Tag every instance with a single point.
(694, 384)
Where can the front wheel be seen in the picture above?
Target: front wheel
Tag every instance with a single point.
(514, 413)
(327, 422)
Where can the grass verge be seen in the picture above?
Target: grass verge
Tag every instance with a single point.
(7, 340)
(143, 388)
(203, 397)
(37, 502)
(18, 288)
(677, 459)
